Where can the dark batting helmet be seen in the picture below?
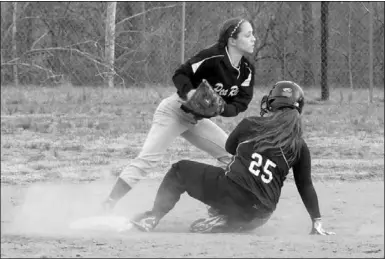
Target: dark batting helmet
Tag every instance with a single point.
(284, 94)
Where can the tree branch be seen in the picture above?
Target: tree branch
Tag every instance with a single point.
(266, 57)
(265, 38)
(149, 10)
(30, 65)
(363, 5)
(85, 54)
(36, 41)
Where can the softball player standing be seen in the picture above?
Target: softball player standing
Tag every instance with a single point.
(224, 66)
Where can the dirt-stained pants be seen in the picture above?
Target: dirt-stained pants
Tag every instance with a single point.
(169, 122)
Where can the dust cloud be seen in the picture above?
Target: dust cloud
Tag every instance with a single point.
(50, 209)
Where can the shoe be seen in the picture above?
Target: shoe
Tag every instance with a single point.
(145, 222)
(212, 212)
(218, 223)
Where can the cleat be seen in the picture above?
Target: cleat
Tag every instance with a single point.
(145, 222)
(210, 225)
(212, 212)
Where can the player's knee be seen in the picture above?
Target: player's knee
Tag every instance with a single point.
(179, 168)
(181, 164)
(141, 166)
(176, 167)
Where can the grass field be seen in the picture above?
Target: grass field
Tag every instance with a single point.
(74, 139)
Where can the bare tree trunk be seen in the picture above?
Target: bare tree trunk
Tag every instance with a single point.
(143, 5)
(324, 50)
(144, 41)
(308, 35)
(282, 55)
(144, 16)
(27, 26)
(371, 52)
(110, 42)
(349, 46)
(14, 42)
(283, 63)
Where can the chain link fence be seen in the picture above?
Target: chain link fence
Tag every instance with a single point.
(63, 42)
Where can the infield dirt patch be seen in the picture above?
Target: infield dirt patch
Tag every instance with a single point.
(355, 211)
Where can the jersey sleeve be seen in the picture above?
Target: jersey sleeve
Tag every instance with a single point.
(241, 101)
(183, 77)
(235, 136)
(303, 180)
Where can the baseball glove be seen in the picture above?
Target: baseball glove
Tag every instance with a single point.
(205, 102)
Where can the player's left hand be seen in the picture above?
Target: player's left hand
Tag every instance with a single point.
(317, 228)
(204, 102)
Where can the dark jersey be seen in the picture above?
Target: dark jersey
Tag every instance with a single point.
(234, 85)
(264, 173)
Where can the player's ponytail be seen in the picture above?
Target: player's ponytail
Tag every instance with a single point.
(281, 130)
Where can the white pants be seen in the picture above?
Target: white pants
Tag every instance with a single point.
(169, 122)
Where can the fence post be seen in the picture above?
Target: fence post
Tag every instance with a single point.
(371, 52)
(14, 42)
(324, 50)
(183, 34)
(349, 46)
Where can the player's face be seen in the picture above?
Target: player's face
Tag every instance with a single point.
(245, 41)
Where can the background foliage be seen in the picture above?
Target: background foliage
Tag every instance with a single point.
(63, 42)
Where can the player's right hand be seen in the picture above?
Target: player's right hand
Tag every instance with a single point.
(317, 228)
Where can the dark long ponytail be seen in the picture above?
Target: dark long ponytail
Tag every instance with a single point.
(280, 132)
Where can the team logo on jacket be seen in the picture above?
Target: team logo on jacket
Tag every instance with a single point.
(219, 88)
(234, 90)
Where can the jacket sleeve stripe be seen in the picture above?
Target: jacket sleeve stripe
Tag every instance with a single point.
(196, 65)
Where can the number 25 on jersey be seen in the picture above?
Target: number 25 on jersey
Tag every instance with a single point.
(257, 164)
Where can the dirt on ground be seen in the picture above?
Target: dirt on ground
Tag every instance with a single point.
(62, 147)
(35, 223)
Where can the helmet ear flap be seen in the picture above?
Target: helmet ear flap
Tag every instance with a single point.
(300, 105)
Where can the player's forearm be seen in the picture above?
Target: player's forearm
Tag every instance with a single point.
(182, 83)
(239, 104)
(233, 109)
(310, 200)
(230, 111)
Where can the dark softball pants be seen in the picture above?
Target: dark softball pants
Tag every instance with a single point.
(210, 185)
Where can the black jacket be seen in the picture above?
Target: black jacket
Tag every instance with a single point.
(264, 174)
(234, 85)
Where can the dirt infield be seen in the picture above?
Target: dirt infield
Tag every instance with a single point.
(82, 137)
(354, 210)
